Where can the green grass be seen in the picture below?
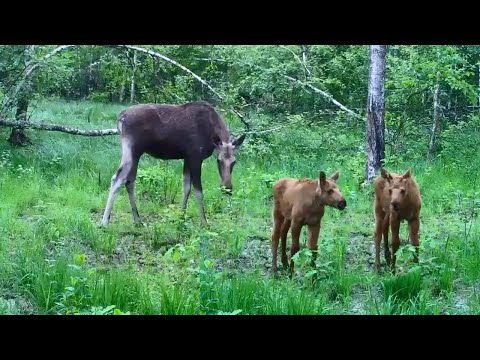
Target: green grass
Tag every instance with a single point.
(54, 259)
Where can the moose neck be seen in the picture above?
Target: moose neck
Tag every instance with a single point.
(220, 130)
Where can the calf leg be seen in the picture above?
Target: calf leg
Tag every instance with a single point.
(296, 228)
(413, 227)
(395, 226)
(196, 174)
(379, 218)
(277, 223)
(283, 234)
(386, 226)
(312, 240)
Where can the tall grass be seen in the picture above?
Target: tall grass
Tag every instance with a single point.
(55, 259)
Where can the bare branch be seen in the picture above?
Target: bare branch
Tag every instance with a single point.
(311, 87)
(55, 127)
(325, 95)
(303, 63)
(28, 74)
(163, 57)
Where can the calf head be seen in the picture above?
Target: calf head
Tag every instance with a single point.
(397, 188)
(329, 192)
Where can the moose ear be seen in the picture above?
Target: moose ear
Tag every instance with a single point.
(386, 175)
(322, 178)
(335, 176)
(407, 174)
(239, 141)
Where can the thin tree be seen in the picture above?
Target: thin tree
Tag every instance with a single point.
(375, 142)
(436, 117)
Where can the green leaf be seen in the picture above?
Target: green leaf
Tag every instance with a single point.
(311, 273)
(79, 259)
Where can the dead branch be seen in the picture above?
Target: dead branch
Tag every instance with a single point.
(302, 63)
(325, 95)
(311, 87)
(173, 62)
(54, 127)
(28, 74)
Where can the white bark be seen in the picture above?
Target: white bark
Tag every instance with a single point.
(29, 69)
(375, 132)
(55, 127)
(325, 95)
(163, 57)
(436, 115)
(132, 83)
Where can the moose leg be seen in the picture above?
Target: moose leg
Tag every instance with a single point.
(283, 235)
(114, 187)
(296, 228)
(386, 226)
(312, 240)
(379, 220)
(118, 180)
(130, 185)
(196, 174)
(186, 185)
(395, 226)
(413, 227)
(126, 171)
(277, 223)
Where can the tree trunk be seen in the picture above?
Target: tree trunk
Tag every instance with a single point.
(305, 53)
(436, 116)
(375, 143)
(17, 135)
(132, 84)
(122, 88)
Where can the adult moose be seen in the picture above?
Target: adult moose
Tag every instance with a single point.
(299, 202)
(397, 198)
(190, 132)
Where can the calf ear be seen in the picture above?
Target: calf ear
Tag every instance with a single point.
(386, 175)
(407, 174)
(335, 176)
(322, 179)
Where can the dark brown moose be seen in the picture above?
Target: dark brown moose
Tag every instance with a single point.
(190, 132)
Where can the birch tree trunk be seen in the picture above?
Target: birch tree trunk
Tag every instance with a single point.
(132, 84)
(436, 116)
(375, 132)
(17, 135)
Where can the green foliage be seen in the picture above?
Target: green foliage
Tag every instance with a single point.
(160, 182)
(54, 259)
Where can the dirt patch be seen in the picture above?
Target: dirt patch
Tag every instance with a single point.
(357, 306)
(17, 305)
(255, 255)
(360, 251)
(460, 298)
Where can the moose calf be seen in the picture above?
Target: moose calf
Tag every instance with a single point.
(397, 198)
(298, 202)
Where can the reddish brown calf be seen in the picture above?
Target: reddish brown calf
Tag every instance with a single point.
(397, 198)
(299, 202)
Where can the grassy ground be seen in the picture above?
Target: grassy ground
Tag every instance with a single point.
(55, 259)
